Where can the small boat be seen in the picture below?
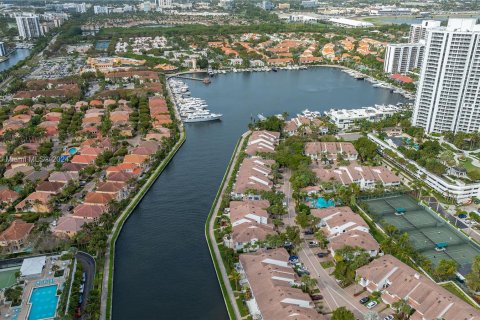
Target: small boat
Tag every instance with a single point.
(274, 69)
(261, 117)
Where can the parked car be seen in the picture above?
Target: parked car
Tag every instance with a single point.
(308, 232)
(317, 297)
(364, 300)
(389, 317)
(293, 259)
(313, 244)
(84, 277)
(303, 272)
(81, 288)
(80, 299)
(322, 254)
(371, 304)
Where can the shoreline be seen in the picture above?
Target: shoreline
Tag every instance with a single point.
(218, 264)
(106, 303)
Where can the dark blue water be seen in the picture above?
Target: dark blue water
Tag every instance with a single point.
(163, 268)
(15, 57)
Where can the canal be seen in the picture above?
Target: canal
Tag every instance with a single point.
(15, 57)
(163, 268)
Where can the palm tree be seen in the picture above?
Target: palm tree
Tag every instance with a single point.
(235, 277)
(402, 310)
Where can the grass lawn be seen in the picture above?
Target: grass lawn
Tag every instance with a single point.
(327, 264)
(459, 293)
(470, 167)
(7, 277)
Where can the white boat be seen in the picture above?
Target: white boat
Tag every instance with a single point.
(202, 117)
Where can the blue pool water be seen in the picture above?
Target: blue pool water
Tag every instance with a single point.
(72, 151)
(321, 203)
(44, 302)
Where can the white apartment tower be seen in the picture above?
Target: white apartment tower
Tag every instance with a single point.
(29, 26)
(403, 57)
(418, 31)
(164, 3)
(3, 49)
(448, 95)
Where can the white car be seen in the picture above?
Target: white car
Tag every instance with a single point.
(389, 317)
(371, 304)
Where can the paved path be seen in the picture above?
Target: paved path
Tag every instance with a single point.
(88, 266)
(211, 233)
(120, 220)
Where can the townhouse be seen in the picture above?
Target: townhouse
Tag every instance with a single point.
(262, 141)
(330, 150)
(365, 177)
(272, 282)
(250, 224)
(15, 237)
(343, 227)
(397, 281)
(254, 174)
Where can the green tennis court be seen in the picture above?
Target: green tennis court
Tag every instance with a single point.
(427, 231)
(7, 277)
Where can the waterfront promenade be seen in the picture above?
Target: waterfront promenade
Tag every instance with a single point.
(224, 282)
(108, 269)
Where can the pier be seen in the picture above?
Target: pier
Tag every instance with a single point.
(186, 77)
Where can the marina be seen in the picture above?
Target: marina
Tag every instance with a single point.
(190, 109)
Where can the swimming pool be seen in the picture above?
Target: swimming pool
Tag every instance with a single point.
(321, 203)
(44, 302)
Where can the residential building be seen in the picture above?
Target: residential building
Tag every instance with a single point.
(254, 174)
(262, 141)
(455, 189)
(163, 3)
(14, 238)
(403, 57)
(397, 281)
(267, 5)
(364, 176)
(102, 9)
(418, 31)
(274, 287)
(330, 150)
(3, 49)
(346, 119)
(448, 94)
(29, 26)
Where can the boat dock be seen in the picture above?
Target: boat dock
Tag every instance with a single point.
(186, 77)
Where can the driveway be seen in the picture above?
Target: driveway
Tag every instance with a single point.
(88, 265)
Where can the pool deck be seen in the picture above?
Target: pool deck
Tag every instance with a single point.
(30, 284)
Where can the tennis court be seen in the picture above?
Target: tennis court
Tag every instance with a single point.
(7, 277)
(427, 231)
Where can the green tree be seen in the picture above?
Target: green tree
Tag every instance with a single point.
(343, 313)
(402, 309)
(473, 278)
(446, 269)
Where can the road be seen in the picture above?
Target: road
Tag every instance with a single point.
(88, 266)
(334, 295)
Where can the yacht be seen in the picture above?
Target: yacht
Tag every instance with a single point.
(199, 117)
